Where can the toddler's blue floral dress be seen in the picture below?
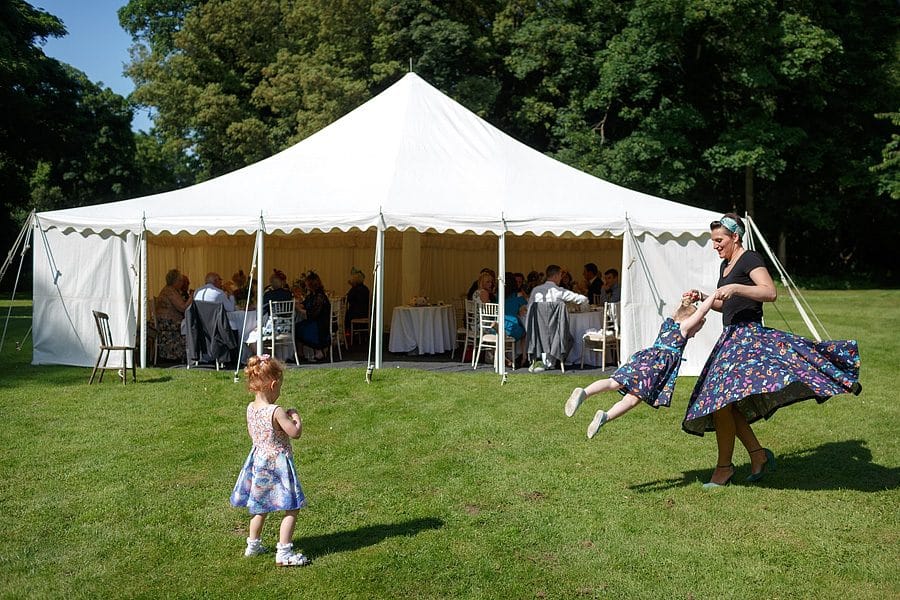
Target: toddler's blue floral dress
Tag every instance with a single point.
(650, 373)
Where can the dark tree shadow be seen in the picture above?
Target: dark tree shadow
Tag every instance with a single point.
(833, 466)
(317, 546)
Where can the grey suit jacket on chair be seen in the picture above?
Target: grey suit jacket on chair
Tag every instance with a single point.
(547, 329)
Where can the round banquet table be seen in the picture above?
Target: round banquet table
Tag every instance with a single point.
(426, 329)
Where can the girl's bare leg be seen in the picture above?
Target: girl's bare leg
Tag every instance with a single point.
(286, 532)
(256, 525)
(622, 406)
(602, 385)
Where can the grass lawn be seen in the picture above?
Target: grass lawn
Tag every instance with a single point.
(441, 485)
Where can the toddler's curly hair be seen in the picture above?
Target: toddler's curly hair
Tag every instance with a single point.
(261, 369)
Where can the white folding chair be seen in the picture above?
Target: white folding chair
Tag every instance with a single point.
(459, 317)
(488, 326)
(359, 327)
(342, 323)
(281, 320)
(607, 339)
(471, 326)
(337, 326)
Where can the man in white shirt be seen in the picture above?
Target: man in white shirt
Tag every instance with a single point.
(212, 292)
(550, 291)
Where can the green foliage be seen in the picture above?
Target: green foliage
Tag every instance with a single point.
(889, 168)
(677, 98)
(447, 485)
(92, 160)
(64, 141)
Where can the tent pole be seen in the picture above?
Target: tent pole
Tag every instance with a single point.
(379, 293)
(259, 284)
(500, 353)
(143, 291)
(240, 355)
(23, 241)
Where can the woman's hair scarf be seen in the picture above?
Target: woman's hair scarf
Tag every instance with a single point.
(732, 226)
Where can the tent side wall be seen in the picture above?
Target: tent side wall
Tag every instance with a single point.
(73, 275)
(657, 270)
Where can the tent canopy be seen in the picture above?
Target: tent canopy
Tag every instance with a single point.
(410, 159)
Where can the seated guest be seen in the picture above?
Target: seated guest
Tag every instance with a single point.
(592, 281)
(170, 307)
(612, 291)
(185, 288)
(515, 306)
(276, 291)
(357, 298)
(212, 292)
(565, 279)
(485, 291)
(470, 295)
(550, 291)
(240, 282)
(520, 284)
(533, 280)
(315, 330)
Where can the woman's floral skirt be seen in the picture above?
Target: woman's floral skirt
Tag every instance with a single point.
(762, 369)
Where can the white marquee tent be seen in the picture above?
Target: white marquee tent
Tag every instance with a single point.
(410, 166)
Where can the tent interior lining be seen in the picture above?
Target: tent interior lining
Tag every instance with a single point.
(440, 266)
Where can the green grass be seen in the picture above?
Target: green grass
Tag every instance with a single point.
(434, 485)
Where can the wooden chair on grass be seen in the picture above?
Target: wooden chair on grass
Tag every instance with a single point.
(106, 347)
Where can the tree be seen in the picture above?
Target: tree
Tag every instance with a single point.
(751, 104)
(34, 93)
(93, 155)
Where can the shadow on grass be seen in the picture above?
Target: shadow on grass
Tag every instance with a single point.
(346, 541)
(833, 466)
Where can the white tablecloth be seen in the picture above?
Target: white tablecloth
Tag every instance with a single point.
(579, 323)
(236, 320)
(430, 329)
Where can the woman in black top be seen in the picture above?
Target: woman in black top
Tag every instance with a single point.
(754, 370)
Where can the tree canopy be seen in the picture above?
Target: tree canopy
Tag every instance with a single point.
(64, 141)
(785, 109)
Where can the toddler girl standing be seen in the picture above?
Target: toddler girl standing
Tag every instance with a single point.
(650, 373)
(268, 481)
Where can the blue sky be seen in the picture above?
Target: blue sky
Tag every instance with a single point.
(96, 44)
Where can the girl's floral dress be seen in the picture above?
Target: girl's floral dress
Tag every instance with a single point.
(268, 481)
(650, 373)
